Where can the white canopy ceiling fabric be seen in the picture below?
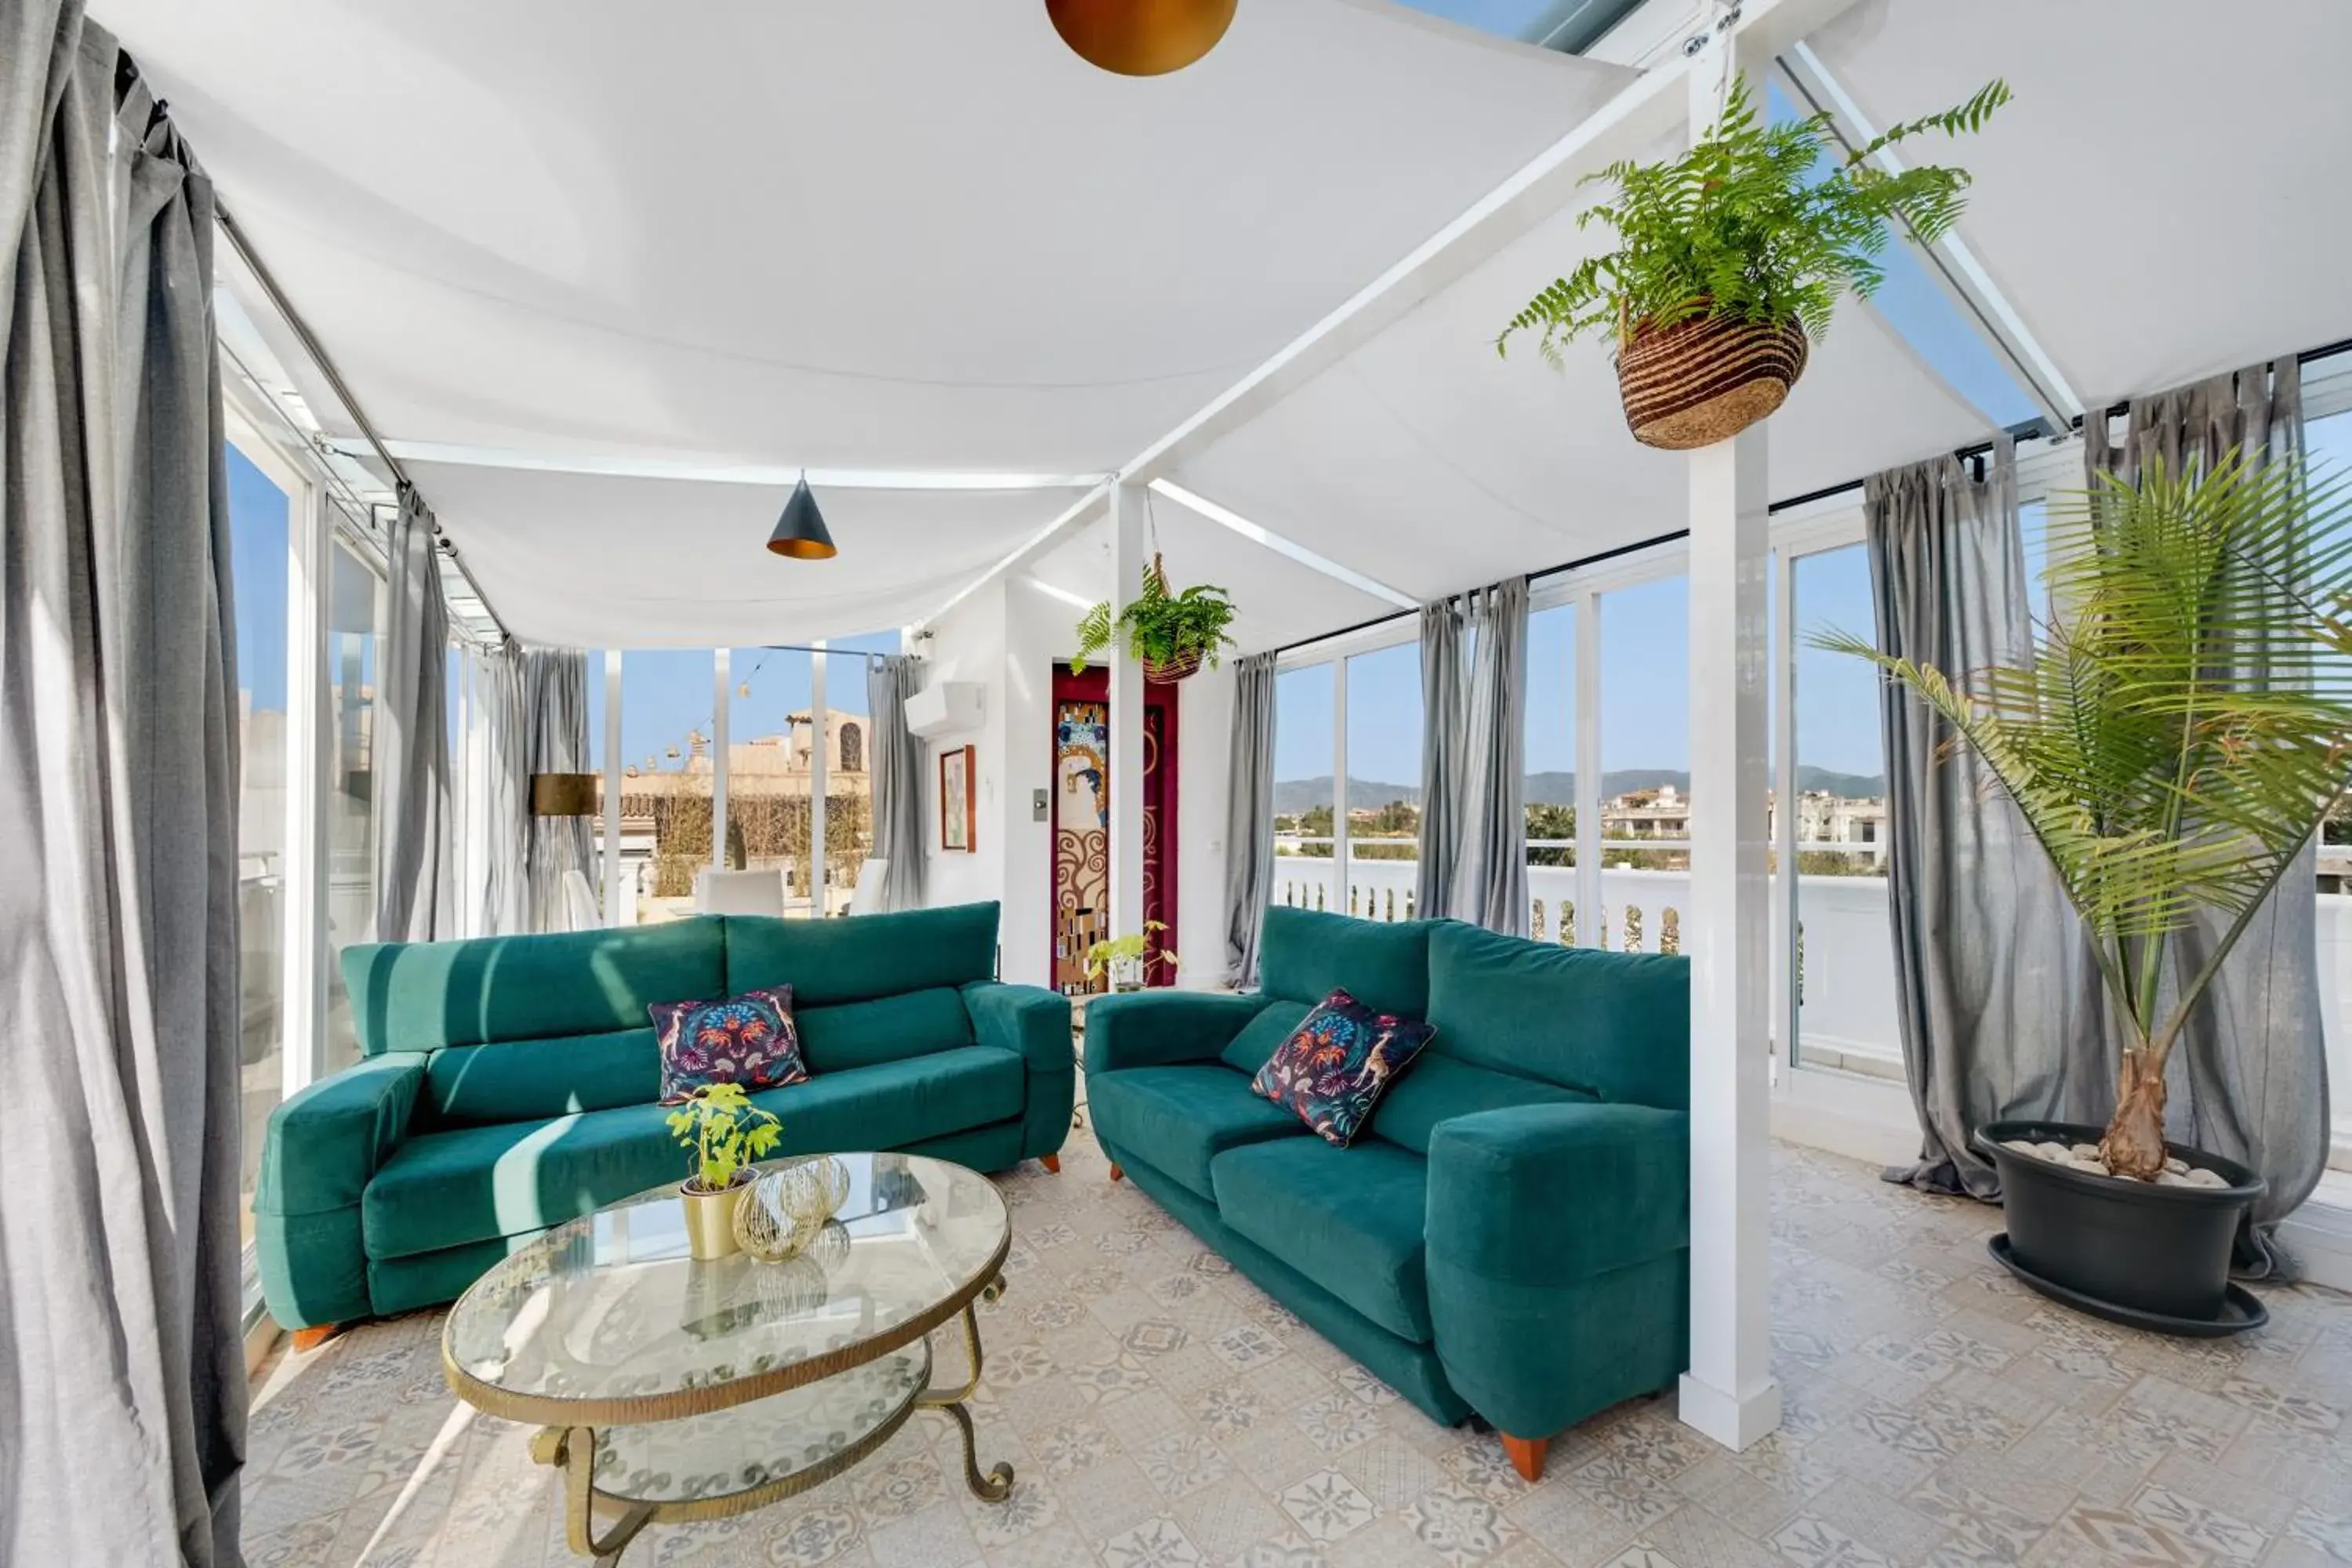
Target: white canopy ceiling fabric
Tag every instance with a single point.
(600, 561)
(1277, 600)
(1427, 462)
(2163, 199)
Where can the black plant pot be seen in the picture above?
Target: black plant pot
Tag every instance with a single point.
(2155, 1256)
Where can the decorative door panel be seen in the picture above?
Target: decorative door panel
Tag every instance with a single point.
(1081, 819)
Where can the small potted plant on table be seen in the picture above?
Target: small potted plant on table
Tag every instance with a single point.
(1174, 634)
(2171, 788)
(724, 1132)
(1127, 959)
(1728, 255)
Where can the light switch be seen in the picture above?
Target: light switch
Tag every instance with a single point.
(1040, 809)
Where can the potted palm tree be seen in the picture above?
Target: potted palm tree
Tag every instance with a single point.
(1174, 634)
(1730, 254)
(2169, 788)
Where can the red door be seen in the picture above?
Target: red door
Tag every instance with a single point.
(1081, 815)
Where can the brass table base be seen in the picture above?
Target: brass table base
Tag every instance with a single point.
(573, 1450)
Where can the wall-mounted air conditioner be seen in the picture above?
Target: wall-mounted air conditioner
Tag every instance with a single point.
(946, 708)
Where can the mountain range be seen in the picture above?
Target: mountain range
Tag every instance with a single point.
(1292, 796)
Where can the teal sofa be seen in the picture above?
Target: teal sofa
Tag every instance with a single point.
(1509, 1237)
(508, 1084)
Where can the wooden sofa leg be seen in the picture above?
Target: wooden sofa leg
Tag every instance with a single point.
(1116, 1173)
(1052, 1163)
(1527, 1455)
(308, 1339)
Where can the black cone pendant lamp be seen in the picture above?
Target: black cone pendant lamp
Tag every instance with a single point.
(801, 532)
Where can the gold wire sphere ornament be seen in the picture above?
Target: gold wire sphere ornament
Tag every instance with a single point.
(1140, 38)
(788, 1208)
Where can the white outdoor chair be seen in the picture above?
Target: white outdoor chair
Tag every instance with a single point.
(866, 898)
(718, 892)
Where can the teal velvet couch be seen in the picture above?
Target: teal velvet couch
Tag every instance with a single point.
(1509, 1237)
(508, 1084)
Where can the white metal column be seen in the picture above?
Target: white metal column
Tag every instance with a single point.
(612, 786)
(1787, 810)
(819, 727)
(1126, 503)
(1340, 846)
(1729, 1393)
(1588, 771)
(721, 692)
(308, 746)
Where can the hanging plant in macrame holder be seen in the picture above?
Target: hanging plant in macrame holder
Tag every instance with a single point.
(1172, 633)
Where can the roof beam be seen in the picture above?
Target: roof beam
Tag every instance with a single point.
(781, 476)
(1257, 534)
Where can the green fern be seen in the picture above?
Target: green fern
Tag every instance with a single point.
(1159, 626)
(1745, 226)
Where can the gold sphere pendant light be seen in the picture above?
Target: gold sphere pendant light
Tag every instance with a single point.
(1140, 38)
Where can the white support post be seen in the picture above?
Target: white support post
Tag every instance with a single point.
(1340, 849)
(1588, 770)
(1729, 1393)
(309, 744)
(722, 692)
(1126, 504)
(819, 727)
(612, 786)
(1787, 810)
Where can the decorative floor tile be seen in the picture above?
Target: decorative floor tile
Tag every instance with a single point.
(1160, 1411)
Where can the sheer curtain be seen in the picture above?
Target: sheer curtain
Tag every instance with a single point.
(497, 784)
(122, 1389)
(1994, 986)
(555, 691)
(1249, 817)
(2249, 1078)
(1444, 736)
(898, 780)
(1490, 872)
(416, 892)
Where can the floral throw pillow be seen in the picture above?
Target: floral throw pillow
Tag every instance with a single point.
(1336, 1064)
(749, 1040)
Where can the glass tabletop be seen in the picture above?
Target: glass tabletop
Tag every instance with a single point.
(607, 1318)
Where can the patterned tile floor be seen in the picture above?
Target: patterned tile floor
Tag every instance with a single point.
(1162, 1413)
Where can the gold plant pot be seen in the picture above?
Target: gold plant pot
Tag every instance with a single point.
(710, 1219)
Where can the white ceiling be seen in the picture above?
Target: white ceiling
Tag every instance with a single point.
(899, 237)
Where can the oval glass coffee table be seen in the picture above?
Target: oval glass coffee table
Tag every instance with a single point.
(670, 1388)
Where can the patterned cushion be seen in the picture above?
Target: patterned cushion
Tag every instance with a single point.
(749, 1040)
(1336, 1064)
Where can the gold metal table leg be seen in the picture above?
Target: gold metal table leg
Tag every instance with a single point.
(997, 1484)
(572, 1449)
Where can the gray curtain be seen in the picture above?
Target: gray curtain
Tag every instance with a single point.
(555, 697)
(1249, 818)
(1994, 985)
(1490, 873)
(122, 1391)
(897, 766)
(1444, 736)
(497, 786)
(416, 893)
(2249, 1078)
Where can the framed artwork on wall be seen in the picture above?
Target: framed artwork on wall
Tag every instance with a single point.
(958, 814)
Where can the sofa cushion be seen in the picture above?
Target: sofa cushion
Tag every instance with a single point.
(531, 1080)
(864, 957)
(1613, 1025)
(747, 1040)
(861, 1033)
(1384, 964)
(1181, 1117)
(444, 1189)
(424, 995)
(1337, 1064)
(1348, 1219)
(1253, 1046)
(1441, 1085)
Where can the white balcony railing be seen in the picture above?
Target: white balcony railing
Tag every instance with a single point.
(1845, 970)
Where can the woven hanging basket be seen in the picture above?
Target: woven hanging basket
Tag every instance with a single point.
(1183, 664)
(1704, 379)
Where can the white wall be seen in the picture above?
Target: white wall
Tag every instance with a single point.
(969, 645)
(1204, 722)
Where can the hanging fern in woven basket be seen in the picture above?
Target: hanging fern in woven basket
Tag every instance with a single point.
(1730, 257)
(1174, 634)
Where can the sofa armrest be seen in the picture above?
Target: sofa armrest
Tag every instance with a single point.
(324, 1145)
(1029, 1019)
(323, 1148)
(1160, 1027)
(1035, 1023)
(1558, 1270)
